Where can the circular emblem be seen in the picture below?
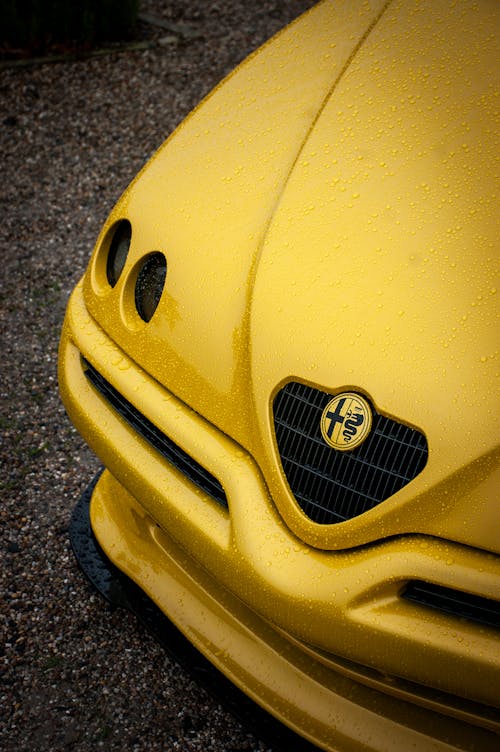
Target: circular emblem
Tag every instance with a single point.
(346, 421)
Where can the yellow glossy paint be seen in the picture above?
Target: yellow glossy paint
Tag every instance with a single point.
(328, 216)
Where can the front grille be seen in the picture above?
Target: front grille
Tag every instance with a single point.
(330, 485)
(454, 602)
(163, 444)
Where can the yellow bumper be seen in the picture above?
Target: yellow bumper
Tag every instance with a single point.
(323, 640)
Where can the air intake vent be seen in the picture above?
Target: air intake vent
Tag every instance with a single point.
(330, 485)
(162, 443)
(454, 602)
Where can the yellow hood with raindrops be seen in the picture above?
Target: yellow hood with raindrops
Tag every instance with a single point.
(330, 214)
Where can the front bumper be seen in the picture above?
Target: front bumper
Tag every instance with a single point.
(122, 592)
(266, 609)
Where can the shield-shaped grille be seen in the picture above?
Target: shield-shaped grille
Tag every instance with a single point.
(330, 485)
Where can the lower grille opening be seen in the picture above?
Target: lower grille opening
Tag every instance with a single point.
(157, 439)
(454, 602)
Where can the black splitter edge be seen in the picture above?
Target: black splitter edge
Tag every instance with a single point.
(121, 592)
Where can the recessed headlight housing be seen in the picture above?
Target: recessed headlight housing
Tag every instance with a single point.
(149, 285)
(118, 250)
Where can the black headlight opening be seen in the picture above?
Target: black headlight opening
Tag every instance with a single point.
(118, 250)
(149, 285)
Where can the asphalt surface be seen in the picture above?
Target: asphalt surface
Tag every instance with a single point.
(76, 674)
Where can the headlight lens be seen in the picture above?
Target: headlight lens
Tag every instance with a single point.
(149, 285)
(118, 250)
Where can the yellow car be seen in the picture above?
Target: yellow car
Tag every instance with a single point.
(285, 352)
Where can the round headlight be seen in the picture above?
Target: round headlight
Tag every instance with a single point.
(149, 285)
(118, 250)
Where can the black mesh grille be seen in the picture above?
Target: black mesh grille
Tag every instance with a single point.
(167, 448)
(454, 602)
(330, 485)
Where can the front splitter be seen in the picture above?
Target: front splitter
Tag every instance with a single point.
(121, 592)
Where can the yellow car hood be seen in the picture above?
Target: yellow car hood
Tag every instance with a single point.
(328, 216)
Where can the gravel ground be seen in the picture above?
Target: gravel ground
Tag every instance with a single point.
(75, 674)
